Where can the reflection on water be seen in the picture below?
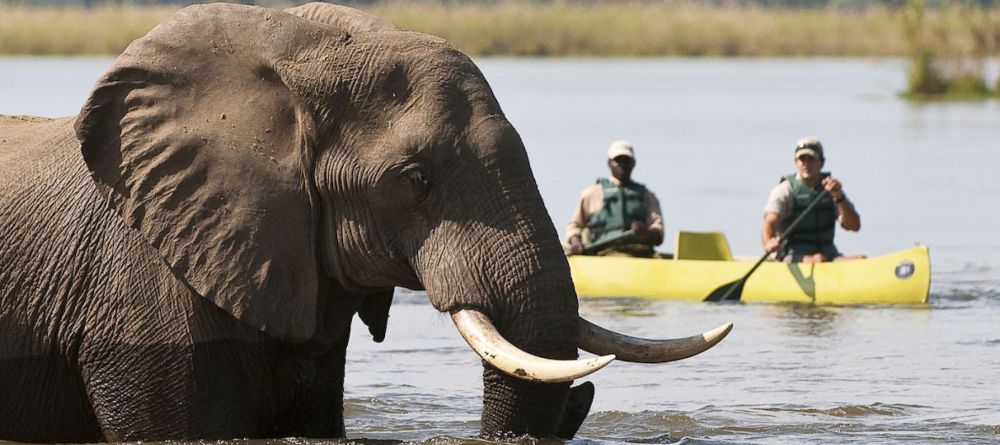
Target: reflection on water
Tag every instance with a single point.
(804, 320)
(711, 137)
(622, 307)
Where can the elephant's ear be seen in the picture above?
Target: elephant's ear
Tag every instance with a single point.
(200, 145)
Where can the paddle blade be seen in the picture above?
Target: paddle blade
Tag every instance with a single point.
(727, 292)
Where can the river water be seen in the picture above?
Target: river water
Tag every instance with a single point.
(712, 137)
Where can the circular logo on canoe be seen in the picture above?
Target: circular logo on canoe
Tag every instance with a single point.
(905, 269)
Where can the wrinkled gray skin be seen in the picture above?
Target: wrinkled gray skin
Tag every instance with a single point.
(183, 259)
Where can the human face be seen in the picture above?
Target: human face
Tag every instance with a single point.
(808, 167)
(621, 168)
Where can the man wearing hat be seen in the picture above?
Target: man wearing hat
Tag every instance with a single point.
(612, 206)
(812, 240)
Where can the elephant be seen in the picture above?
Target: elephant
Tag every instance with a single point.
(184, 258)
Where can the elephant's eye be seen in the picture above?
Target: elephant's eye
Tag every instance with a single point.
(417, 180)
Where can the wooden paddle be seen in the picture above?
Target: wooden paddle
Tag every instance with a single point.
(593, 248)
(734, 290)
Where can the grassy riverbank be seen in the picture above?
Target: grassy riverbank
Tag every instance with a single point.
(104, 30)
(653, 29)
(533, 29)
(947, 45)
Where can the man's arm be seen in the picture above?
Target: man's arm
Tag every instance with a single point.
(574, 231)
(582, 214)
(653, 233)
(849, 218)
(777, 208)
(769, 234)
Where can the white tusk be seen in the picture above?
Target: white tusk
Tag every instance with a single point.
(482, 336)
(597, 340)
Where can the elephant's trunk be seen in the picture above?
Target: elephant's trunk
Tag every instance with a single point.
(514, 406)
(496, 253)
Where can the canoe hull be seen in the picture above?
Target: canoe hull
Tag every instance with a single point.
(901, 277)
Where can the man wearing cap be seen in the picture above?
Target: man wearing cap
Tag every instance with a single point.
(612, 206)
(812, 240)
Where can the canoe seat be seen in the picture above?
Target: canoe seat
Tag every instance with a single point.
(702, 246)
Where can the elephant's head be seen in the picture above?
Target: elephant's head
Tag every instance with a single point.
(266, 154)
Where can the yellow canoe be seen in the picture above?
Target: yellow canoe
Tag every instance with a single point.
(901, 277)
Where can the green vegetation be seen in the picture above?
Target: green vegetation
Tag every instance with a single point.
(661, 28)
(948, 44)
(75, 30)
(651, 29)
(667, 28)
(948, 54)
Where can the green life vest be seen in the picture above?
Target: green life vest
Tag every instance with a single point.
(817, 228)
(622, 206)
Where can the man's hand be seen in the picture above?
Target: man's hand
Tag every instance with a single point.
(771, 245)
(575, 246)
(644, 234)
(834, 187)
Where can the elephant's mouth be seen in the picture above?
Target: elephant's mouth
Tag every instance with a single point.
(486, 341)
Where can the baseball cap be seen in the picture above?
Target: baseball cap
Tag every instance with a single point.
(809, 146)
(621, 148)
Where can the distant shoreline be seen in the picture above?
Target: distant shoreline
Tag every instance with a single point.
(538, 30)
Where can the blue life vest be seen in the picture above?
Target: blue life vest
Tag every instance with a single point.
(622, 206)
